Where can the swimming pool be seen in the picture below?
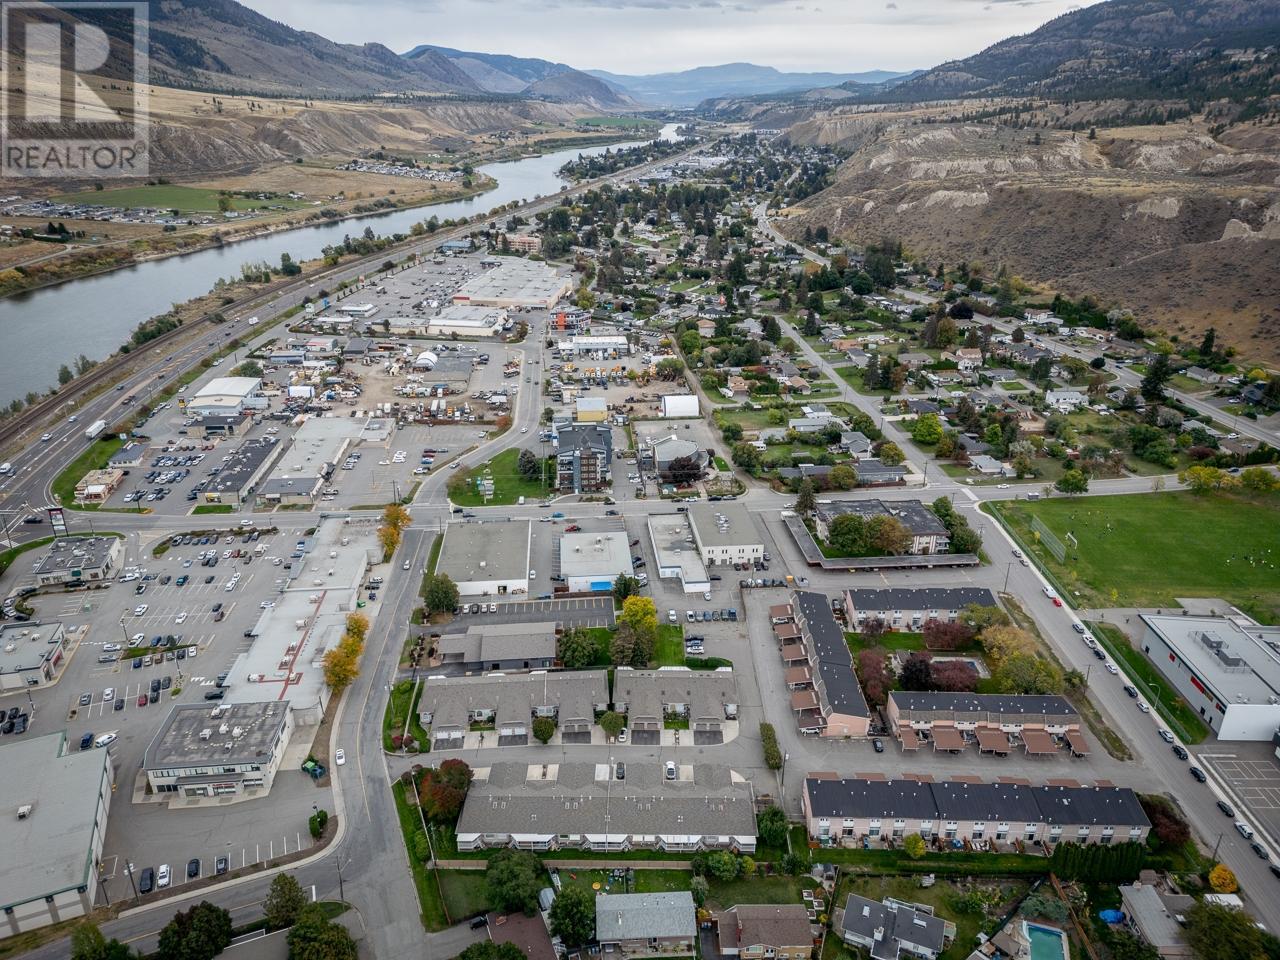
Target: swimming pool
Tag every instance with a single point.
(1047, 943)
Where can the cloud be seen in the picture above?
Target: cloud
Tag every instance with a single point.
(891, 6)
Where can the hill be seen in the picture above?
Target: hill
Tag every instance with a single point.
(1121, 48)
(494, 72)
(1172, 221)
(223, 46)
(688, 88)
(573, 86)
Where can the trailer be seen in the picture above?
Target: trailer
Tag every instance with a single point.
(95, 429)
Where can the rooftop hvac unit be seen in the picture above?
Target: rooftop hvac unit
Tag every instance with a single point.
(206, 733)
(237, 731)
(223, 728)
(24, 811)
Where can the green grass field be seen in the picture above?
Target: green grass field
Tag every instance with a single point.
(94, 458)
(1146, 549)
(168, 197)
(669, 650)
(508, 485)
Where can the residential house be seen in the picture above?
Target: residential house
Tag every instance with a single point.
(906, 608)
(770, 931)
(706, 328)
(871, 472)
(705, 699)
(892, 928)
(966, 359)
(583, 453)
(646, 924)
(1065, 400)
(855, 443)
(836, 706)
(914, 361)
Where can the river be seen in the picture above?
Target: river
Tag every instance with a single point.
(94, 316)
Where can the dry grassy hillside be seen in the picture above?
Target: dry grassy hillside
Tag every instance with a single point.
(1179, 226)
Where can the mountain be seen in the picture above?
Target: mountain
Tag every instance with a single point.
(1120, 48)
(222, 45)
(687, 88)
(495, 72)
(574, 86)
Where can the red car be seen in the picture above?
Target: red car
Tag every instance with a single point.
(142, 700)
(572, 528)
(1057, 601)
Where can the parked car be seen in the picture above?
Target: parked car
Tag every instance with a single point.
(147, 881)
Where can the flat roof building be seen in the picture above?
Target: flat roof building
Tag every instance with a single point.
(928, 534)
(1227, 670)
(678, 405)
(677, 552)
(302, 470)
(587, 345)
(725, 533)
(594, 561)
(239, 477)
(229, 750)
(486, 559)
(582, 806)
(79, 560)
(466, 320)
(56, 804)
(30, 654)
(516, 283)
(224, 396)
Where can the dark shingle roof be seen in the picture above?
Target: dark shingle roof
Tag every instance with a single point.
(1009, 704)
(831, 655)
(925, 598)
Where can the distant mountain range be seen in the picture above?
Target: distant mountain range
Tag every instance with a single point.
(687, 88)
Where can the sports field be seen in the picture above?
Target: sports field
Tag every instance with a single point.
(1146, 549)
(168, 197)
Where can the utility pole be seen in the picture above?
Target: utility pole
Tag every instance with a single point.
(128, 869)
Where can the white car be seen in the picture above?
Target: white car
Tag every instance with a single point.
(671, 617)
(706, 595)
(622, 735)
(46, 437)
(1111, 668)
(533, 574)
(137, 639)
(405, 565)
(110, 647)
(524, 429)
(108, 694)
(181, 618)
(162, 876)
(140, 609)
(106, 739)
(1002, 486)
(339, 757)
(1142, 705)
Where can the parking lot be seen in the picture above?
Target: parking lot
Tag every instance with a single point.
(131, 702)
(571, 612)
(1253, 776)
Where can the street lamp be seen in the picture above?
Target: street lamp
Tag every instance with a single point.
(128, 869)
(1007, 570)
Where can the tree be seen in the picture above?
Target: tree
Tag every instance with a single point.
(947, 635)
(65, 375)
(723, 865)
(513, 879)
(641, 617)
(848, 535)
(573, 915)
(440, 594)
(396, 516)
(529, 465)
(340, 668)
(1124, 945)
(443, 789)
(200, 933)
(954, 676)
(575, 649)
(842, 477)
(1158, 374)
(1259, 479)
(685, 470)
(1025, 673)
(88, 943)
(914, 846)
(891, 454)
(916, 672)
(806, 502)
(874, 673)
(316, 937)
(879, 267)
(1202, 479)
(889, 535)
(771, 824)
(1167, 824)
(1002, 642)
(284, 902)
(625, 586)
(746, 456)
(699, 888)
(1222, 879)
(612, 723)
(927, 429)
(1222, 933)
(1072, 482)
(544, 728)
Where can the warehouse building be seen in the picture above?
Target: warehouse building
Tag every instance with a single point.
(676, 552)
(582, 806)
(594, 561)
(487, 559)
(902, 608)
(239, 477)
(1226, 669)
(56, 804)
(233, 750)
(499, 646)
(226, 396)
(602, 346)
(724, 533)
(516, 283)
(302, 471)
(467, 320)
(847, 812)
(72, 560)
(678, 405)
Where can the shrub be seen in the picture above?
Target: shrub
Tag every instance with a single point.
(772, 752)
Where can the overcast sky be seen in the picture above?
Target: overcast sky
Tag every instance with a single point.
(651, 36)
